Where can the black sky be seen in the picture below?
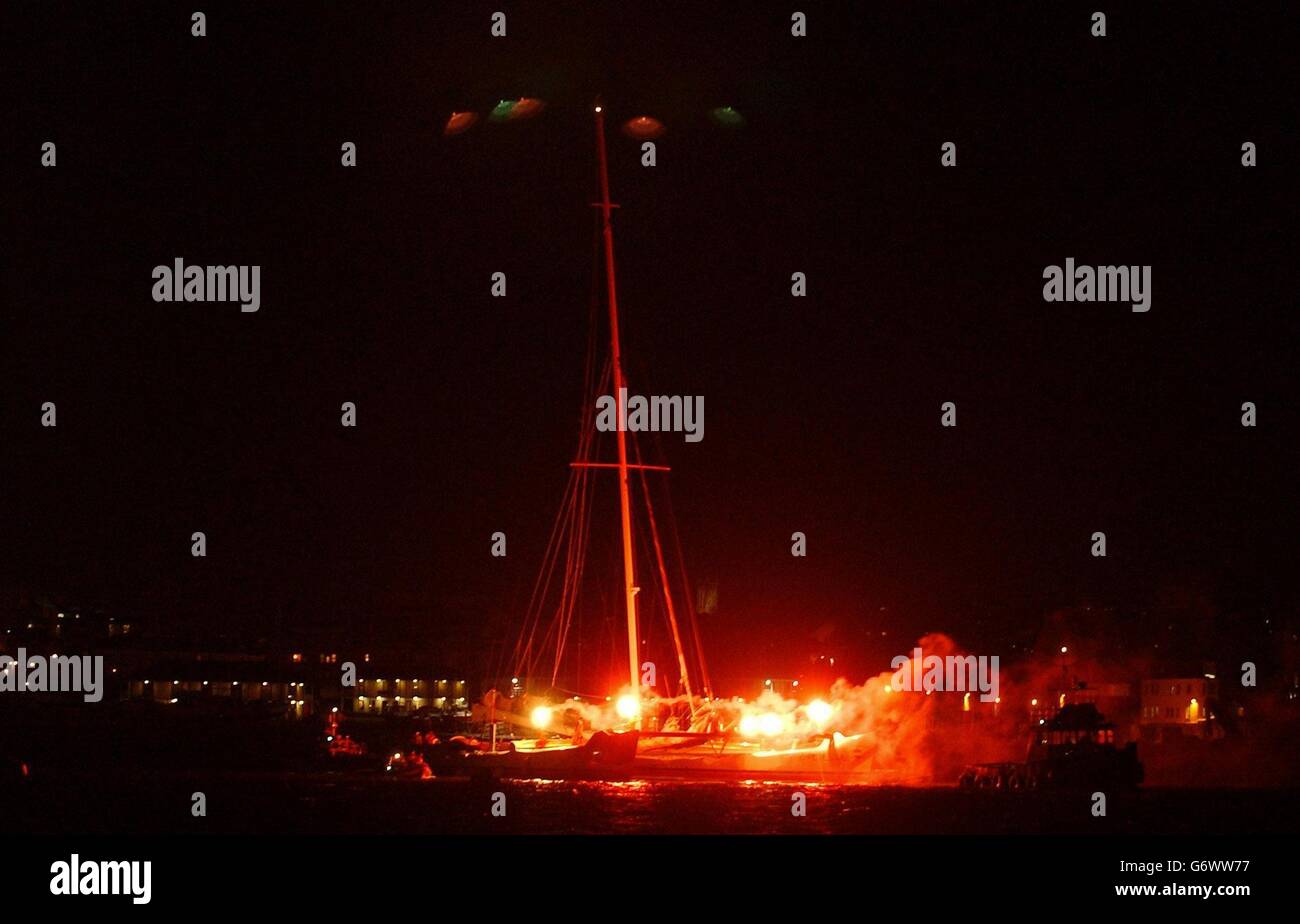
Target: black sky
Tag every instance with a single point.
(822, 414)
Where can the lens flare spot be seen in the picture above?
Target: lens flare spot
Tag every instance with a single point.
(513, 110)
(460, 122)
(726, 115)
(643, 128)
(526, 108)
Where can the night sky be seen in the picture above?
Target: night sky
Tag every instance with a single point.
(821, 413)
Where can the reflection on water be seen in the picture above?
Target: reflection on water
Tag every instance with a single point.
(363, 803)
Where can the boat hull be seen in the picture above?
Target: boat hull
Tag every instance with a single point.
(832, 759)
(603, 752)
(630, 756)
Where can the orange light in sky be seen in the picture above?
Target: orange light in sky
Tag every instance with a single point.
(643, 128)
(460, 122)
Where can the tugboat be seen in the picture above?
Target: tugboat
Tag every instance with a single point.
(1074, 749)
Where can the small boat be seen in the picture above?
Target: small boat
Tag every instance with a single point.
(340, 748)
(408, 766)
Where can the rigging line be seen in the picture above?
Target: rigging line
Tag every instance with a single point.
(581, 537)
(572, 515)
(575, 513)
(565, 589)
(592, 696)
(698, 650)
(524, 656)
(524, 652)
(581, 530)
(580, 519)
(574, 562)
(532, 612)
(647, 639)
(573, 577)
(558, 627)
(691, 614)
(573, 574)
(663, 579)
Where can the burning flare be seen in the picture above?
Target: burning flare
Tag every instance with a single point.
(628, 707)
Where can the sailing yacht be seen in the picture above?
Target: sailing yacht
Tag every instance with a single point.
(638, 731)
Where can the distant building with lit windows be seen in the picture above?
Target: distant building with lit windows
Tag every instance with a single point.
(295, 685)
(409, 696)
(1180, 705)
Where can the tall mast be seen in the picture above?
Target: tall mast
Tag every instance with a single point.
(629, 568)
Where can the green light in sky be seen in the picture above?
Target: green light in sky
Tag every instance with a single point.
(725, 115)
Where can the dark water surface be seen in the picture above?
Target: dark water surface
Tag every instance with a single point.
(368, 803)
